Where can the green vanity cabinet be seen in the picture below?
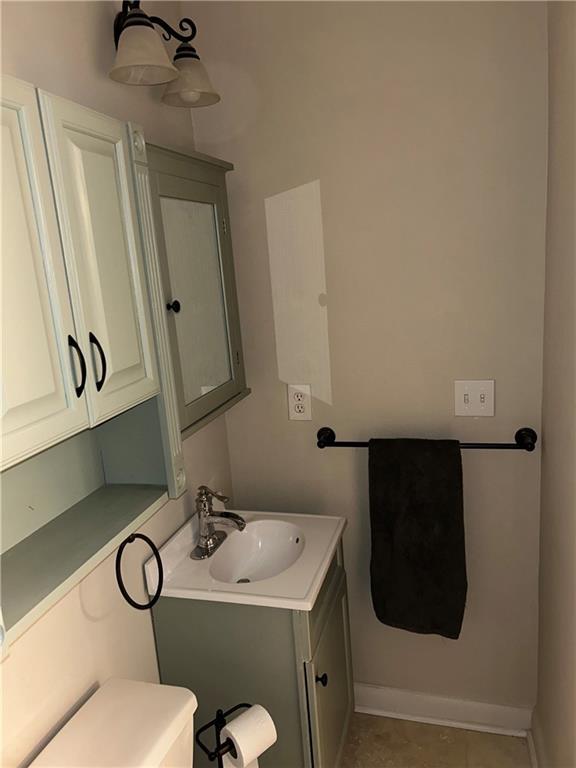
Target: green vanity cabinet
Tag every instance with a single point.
(295, 663)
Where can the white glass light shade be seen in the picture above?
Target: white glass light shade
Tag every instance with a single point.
(141, 58)
(192, 88)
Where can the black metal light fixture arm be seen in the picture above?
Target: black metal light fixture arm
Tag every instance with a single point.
(187, 26)
(127, 6)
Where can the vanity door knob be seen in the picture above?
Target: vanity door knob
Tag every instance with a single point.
(322, 679)
(174, 306)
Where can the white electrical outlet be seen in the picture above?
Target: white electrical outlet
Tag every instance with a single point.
(299, 402)
(474, 398)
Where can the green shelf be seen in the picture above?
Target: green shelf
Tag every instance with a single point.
(40, 569)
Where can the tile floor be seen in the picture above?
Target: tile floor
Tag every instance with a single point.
(381, 742)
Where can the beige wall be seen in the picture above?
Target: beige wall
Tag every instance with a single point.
(426, 126)
(92, 633)
(555, 719)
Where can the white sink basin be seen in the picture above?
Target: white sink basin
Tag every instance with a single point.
(278, 561)
(263, 549)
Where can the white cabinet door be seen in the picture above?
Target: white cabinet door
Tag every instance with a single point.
(90, 163)
(42, 382)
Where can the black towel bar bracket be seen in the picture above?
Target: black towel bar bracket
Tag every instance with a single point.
(524, 440)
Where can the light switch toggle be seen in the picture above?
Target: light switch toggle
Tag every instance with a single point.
(474, 398)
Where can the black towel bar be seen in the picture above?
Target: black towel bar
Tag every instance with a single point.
(524, 440)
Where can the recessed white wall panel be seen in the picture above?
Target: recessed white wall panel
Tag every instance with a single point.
(296, 251)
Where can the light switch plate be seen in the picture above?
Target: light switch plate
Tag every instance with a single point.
(474, 398)
(299, 402)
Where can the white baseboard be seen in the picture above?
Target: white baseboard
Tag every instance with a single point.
(532, 751)
(439, 710)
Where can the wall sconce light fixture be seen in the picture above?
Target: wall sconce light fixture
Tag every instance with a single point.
(192, 88)
(142, 59)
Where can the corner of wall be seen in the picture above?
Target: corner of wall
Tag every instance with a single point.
(538, 752)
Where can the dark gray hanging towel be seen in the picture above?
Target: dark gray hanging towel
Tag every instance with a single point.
(418, 564)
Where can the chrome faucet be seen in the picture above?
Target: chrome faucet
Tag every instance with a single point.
(209, 539)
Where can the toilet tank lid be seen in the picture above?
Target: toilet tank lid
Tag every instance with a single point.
(125, 723)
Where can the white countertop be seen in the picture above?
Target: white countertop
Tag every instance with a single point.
(296, 588)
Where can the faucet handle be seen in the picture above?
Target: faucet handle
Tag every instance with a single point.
(204, 493)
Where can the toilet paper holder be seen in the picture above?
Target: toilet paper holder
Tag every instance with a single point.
(222, 748)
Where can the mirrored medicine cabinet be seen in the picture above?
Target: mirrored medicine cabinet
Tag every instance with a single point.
(197, 270)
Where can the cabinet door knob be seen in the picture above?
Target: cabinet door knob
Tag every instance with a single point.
(174, 306)
(322, 679)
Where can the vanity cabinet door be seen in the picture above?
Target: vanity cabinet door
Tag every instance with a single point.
(42, 381)
(329, 685)
(90, 163)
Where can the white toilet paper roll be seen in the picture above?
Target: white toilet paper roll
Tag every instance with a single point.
(252, 733)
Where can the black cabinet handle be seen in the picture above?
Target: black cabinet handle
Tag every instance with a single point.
(96, 343)
(175, 306)
(322, 679)
(73, 344)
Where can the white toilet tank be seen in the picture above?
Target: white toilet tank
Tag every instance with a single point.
(127, 723)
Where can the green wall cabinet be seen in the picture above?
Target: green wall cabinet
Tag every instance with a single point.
(297, 664)
(190, 210)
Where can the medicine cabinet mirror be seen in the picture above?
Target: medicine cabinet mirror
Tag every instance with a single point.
(191, 222)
